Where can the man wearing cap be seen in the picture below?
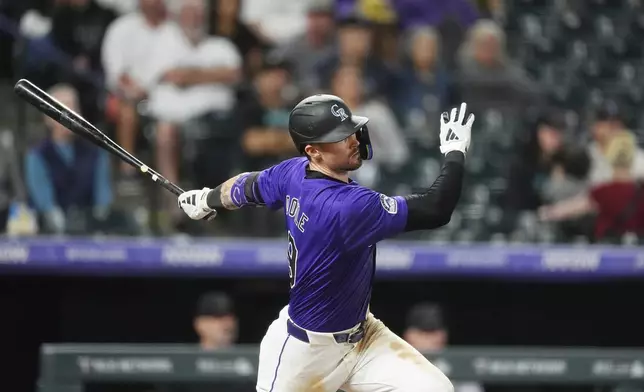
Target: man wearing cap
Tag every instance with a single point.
(427, 333)
(264, 111)
(306, 50)
(192, 100)
(215, 321)
(355, 48)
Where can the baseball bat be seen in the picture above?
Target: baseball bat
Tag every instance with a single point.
(51, 107)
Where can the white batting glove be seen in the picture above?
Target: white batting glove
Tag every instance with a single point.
(455, 132)
(194, 204)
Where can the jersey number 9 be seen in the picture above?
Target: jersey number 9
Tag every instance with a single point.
(292, 259)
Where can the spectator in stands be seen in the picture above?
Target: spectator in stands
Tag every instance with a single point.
(619, 204)
(215, 321)
(570, 167)
(532, 166)
(265, 113)
(276, 21)
(35, 19)
(545, 169)
(265, 108)
(488, 79)
(425, 328)
(426, 332)
(194, 96)
(384, 26)
(424, 89)
(225, 22)
(607, 123)
(67, 177)
(126, 56)
(15, 216)
(386, 135)
(355, 49)
(78, 28)
(71, 50)
(305, 51)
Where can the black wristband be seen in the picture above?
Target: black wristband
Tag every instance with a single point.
(214, 198)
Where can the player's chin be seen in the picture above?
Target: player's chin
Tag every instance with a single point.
(355, 163)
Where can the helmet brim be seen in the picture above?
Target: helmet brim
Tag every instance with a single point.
(346, 129)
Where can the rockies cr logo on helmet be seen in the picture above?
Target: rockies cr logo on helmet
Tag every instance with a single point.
(339, 112)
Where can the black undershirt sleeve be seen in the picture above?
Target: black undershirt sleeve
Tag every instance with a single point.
(433, 208)
(214, 198)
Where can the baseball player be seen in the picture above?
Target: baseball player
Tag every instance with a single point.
(326, 338)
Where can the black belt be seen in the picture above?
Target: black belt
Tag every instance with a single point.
(340, 337)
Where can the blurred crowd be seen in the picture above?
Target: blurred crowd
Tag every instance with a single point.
(201, 89)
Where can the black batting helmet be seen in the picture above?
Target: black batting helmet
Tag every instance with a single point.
(325, 118)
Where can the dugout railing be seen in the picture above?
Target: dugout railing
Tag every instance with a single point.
(69, 367)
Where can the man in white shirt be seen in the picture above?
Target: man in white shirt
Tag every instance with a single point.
(126, 59)
(278, 21)
(194, 77)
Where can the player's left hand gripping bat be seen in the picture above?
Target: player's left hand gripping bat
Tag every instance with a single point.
(51, 107)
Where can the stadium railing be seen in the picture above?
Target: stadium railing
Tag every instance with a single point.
(69, 367)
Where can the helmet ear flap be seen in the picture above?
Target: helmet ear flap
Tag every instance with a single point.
(365, 147)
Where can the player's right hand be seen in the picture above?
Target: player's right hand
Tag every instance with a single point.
(194, 204)
(455, 132)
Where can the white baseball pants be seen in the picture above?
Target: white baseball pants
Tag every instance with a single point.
(380, 362)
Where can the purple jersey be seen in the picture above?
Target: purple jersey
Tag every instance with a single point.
(332, 230)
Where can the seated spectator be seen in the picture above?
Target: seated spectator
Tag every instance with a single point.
(265, 113)
(570, 167)
(68, 179)
(390, 147)
(425, 329)
(194, 84)
(532, 166)
(35, 19)
(126, 55)
(451, 18)
(225, 22)
(215, 321)
(423, 92)
(305, 51)
(545, 169)
(426, 332)
(607, 123)
(385, 27)
(487, 78)
(71, 51)
(265, 107)
(277, 21)
(15, 215)
(355, 49)
(619, 204)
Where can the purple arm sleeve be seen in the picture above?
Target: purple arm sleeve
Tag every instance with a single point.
(239, 189)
